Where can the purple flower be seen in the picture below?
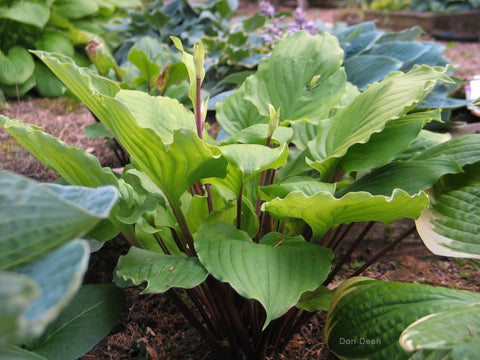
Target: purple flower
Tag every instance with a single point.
(311, 27)
(267, 8)
(300, 16)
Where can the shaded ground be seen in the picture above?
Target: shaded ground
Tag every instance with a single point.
(150, 326)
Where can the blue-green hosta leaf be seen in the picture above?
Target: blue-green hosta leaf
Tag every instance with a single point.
(16, 293)
(395, 138)
(322, 210)
(276, 272)
(369, 112)
(450, 226)
(86, 320)
(27, 12)
(366, 316)
(160, 272)
(445, 330)
(368, 69)
(302, 78)
(16, 67)
(72, 162)
(58, 275)
(36, 218)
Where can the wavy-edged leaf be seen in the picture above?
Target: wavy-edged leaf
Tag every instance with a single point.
(86, 320)
(72, 162)
(366, 316)
(276, 272)
(322, 210)
(161, 272)
(394, 139)
(450, 226)
(445, 330)
(36, 218)
(58, 275)
(368, 113)
(305, 184)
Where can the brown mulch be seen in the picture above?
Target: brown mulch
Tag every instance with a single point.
(150, 326)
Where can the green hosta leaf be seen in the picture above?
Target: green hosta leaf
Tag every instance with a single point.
(16, 353)
(14, 91)
(395, 138)
(276, 272)
(54, 41)
(366, 317)
(252, 159)
(56, 215)
(16, 292)
(16, 67)
(97, 130)
(369, 112)
(236, 113)
(411, 176)
(450, 226)
(161, 114)
(75, 9)
(27, 12)
(86, 320)
(161, 272)
(47, 84)
(318, 299)
(425, 140)
(445, 330)
(258, 133)
(71, 162)
(305, 184)
(302, 78)
(58, 276)
(322, 210)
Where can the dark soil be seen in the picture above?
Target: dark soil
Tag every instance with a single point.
(150, 326)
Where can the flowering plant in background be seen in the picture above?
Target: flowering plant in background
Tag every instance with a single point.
(278, 30)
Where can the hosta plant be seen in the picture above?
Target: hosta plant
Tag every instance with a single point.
(247, 230)
(43, 257)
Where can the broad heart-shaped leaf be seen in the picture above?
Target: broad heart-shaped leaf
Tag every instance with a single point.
(276, 272)
(27, 12)
(445, 330)
(161, 272)
(72, 162)
(366, 316)
(36, 218)
(16, 292)
(16, 67)
(368, 113)
(322, 210)
(395, 138)
(86, 320)
(302, 78)
(58, 275)
(450, 226)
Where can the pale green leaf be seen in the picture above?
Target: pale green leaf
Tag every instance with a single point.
(450, 226)
(276, 272)
(444, 330)
(16, 67)
(17, 353)
(160, 272)
(322, 210)
(366, 316)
